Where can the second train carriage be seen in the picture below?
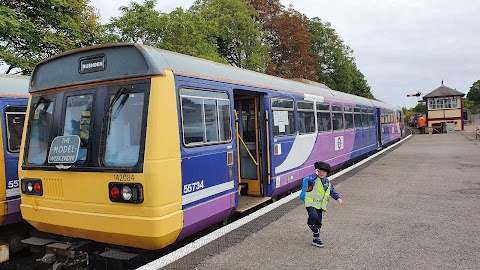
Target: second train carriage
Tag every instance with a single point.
(136, 146)
(13, 104)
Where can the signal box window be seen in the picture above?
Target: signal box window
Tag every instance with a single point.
(323, 117)
(39, 131)
(205, 117)
(306, 117)
(337, 120)
(124, 130)
(348, 113)
(283, 118)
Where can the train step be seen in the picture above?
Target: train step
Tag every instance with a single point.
(118, 255)
(247, 202)
(35, 241)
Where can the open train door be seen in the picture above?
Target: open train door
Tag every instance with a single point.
(251, 145)
(379, 128)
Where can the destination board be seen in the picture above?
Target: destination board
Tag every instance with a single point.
(64, 149)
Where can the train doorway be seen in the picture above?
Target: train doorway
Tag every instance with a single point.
(379, 129)
(251, 145)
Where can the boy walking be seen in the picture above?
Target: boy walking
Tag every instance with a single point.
(316, 190)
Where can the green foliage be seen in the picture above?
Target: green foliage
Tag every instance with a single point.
(178, 31)
(474, 93)
(237, 37)
(138, 23)
(189, 34)
(336, 65)
(32, 30)
(420, 108)
(471, 105)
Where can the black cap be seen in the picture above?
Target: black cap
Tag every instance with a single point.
(320, 165)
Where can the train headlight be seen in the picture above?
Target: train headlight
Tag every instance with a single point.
(31, 186)
(126, 193)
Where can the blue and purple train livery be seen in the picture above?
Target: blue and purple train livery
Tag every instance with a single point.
(192, 140)
(13, 104)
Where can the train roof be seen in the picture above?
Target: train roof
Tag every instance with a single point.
(14, 85)
(129, 60)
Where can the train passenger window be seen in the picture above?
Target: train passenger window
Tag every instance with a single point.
(283, 118)
(358, 118)
(14, 118)
(224, 120)
(39, 130)
(323, 117)
(337, 115)
(205, 117)
(211, 120)
(124, 130)
(365, 117)
(348, 113)
(77, 122)
(306, 117)
(192, 116)
(371, 118)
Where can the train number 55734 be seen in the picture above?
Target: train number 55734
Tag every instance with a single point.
(192, 187)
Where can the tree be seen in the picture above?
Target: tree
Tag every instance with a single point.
(287, 34)
(138, 23)
(335, 62)
(32, 30)
(178, 31)
(474, 93)
(420, 108)
(237, 37)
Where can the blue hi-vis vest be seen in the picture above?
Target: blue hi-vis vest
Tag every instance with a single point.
(318, 197)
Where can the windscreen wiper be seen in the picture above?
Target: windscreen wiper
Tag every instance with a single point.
(116, 97)
(124, 99)
(39, 101)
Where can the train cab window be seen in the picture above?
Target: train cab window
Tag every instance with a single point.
(348, 113)
(39, 130)
(205, 117)
(124, 130)
(323, 117)
(365, 117)
(337, 117)
(283, 118)
(14, 118)
(371, 120)
(77, 122)
(306, 117)
(358, 118)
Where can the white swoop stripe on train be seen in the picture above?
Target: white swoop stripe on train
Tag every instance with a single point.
(207, 192)
(187, 249)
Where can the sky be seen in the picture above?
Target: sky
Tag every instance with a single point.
(401, 47)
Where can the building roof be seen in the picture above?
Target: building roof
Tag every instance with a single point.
(443, 91)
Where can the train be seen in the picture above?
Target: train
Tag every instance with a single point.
(134, 146)
(13, 105)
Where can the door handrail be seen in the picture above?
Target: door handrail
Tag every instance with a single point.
(246, 148)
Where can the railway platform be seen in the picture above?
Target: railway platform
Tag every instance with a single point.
(415, 206)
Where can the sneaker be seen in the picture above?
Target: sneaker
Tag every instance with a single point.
(317, 242)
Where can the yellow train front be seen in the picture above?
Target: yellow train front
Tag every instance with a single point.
(101, 153)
